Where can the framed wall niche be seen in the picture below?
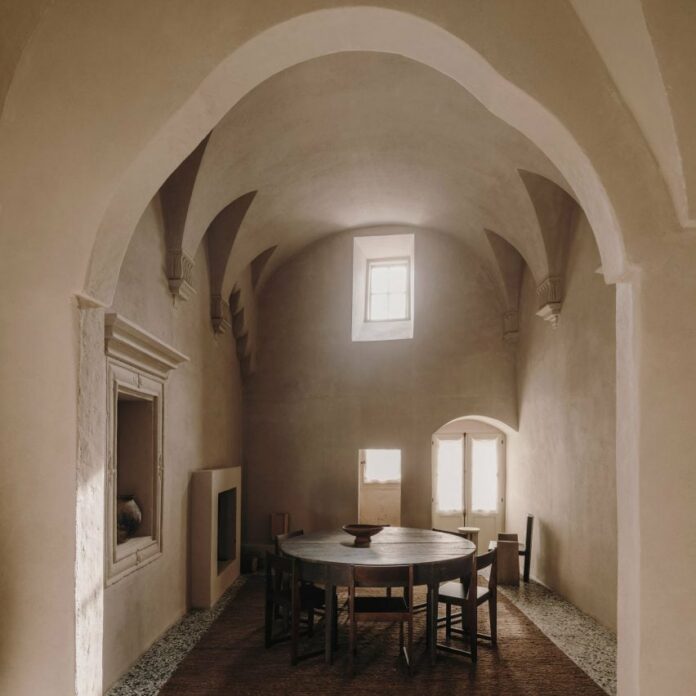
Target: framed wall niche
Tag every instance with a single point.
(137, 368)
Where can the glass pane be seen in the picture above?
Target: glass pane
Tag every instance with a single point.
(379, 307)
(397, 306)
(398, 278)
(379, 279)
(484, 475)
(382, 466)
(450, 476)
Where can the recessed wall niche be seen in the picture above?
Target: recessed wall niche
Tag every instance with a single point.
(137, 369)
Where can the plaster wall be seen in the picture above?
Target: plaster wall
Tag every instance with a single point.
(562, 462)
(317, 397)
(202, 410)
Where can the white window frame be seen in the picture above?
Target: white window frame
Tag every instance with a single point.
(374, 482)
(375, 249)
(388, 263)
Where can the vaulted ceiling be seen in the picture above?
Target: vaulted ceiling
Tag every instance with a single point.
(364, 139)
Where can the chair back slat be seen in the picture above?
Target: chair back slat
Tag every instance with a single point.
(382, 576)
(279, 564)
(503, 536)
(485, 560)
(282, 537)
(453, 568)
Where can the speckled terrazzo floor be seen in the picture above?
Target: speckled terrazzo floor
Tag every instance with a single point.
(590, 646)
(147, 676)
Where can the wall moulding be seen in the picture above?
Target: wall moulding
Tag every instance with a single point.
(128, 343)
(550, 299)
(138, 364)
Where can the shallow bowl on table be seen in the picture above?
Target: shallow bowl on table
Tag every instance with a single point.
(362, 532)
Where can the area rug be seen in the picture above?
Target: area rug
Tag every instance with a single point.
(230, 659)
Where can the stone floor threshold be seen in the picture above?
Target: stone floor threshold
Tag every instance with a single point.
(589, 645)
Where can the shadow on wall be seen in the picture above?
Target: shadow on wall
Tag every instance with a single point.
(546, 551)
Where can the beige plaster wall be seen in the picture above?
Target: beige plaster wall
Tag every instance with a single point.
(561, 463)
(202, 411)
(317, 398)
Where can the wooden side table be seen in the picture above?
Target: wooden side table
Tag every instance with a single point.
(471, 533)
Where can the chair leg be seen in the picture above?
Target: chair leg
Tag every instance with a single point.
(295, 633)
(334, 645)
(401, 636)
(351, 634)
(433, 623)
(473, 629)
(448, 623)
(410, 644)
(310, 622)
(268, 628)
(493, 616)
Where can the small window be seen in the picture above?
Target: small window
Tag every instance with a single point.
(383, 282)
(387, 290)
(382, 466)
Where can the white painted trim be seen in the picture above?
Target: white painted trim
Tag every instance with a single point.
(128, 343)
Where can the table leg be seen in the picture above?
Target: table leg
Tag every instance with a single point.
(330, 609)
(334, 621)
(432, 627)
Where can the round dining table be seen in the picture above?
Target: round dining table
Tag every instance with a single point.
(329, 557)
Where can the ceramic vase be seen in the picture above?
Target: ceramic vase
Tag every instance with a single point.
(128, 517)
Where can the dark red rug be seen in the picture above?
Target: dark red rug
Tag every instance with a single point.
(231, 659)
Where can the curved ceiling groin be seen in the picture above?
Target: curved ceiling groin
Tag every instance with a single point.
(365, 139)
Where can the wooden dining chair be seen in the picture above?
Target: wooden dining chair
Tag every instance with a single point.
(524, 550)
(382, 609)
(457, 595)
(280, 538)
(288, 595)
(460, 593)
(423, 607)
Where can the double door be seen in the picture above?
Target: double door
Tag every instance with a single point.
(469, 483)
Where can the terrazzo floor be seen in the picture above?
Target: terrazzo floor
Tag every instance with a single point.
(589, 645)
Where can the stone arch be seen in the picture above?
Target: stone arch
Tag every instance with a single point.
(324, 32)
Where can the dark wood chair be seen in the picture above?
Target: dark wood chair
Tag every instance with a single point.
(383, 609)
(454, 593)
(460, 593)
(288, 596)
(279, 538)
(423, 607)
(525, 549)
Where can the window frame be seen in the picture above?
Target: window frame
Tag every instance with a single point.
(380, 248)
(374, 482)
(390, 262)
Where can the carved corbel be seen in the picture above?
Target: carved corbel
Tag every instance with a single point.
(220, 314)
(180, 274)
(511, 326)
(550, 299)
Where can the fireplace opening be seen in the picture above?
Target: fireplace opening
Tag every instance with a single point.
(136, 470)
(226, 528)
